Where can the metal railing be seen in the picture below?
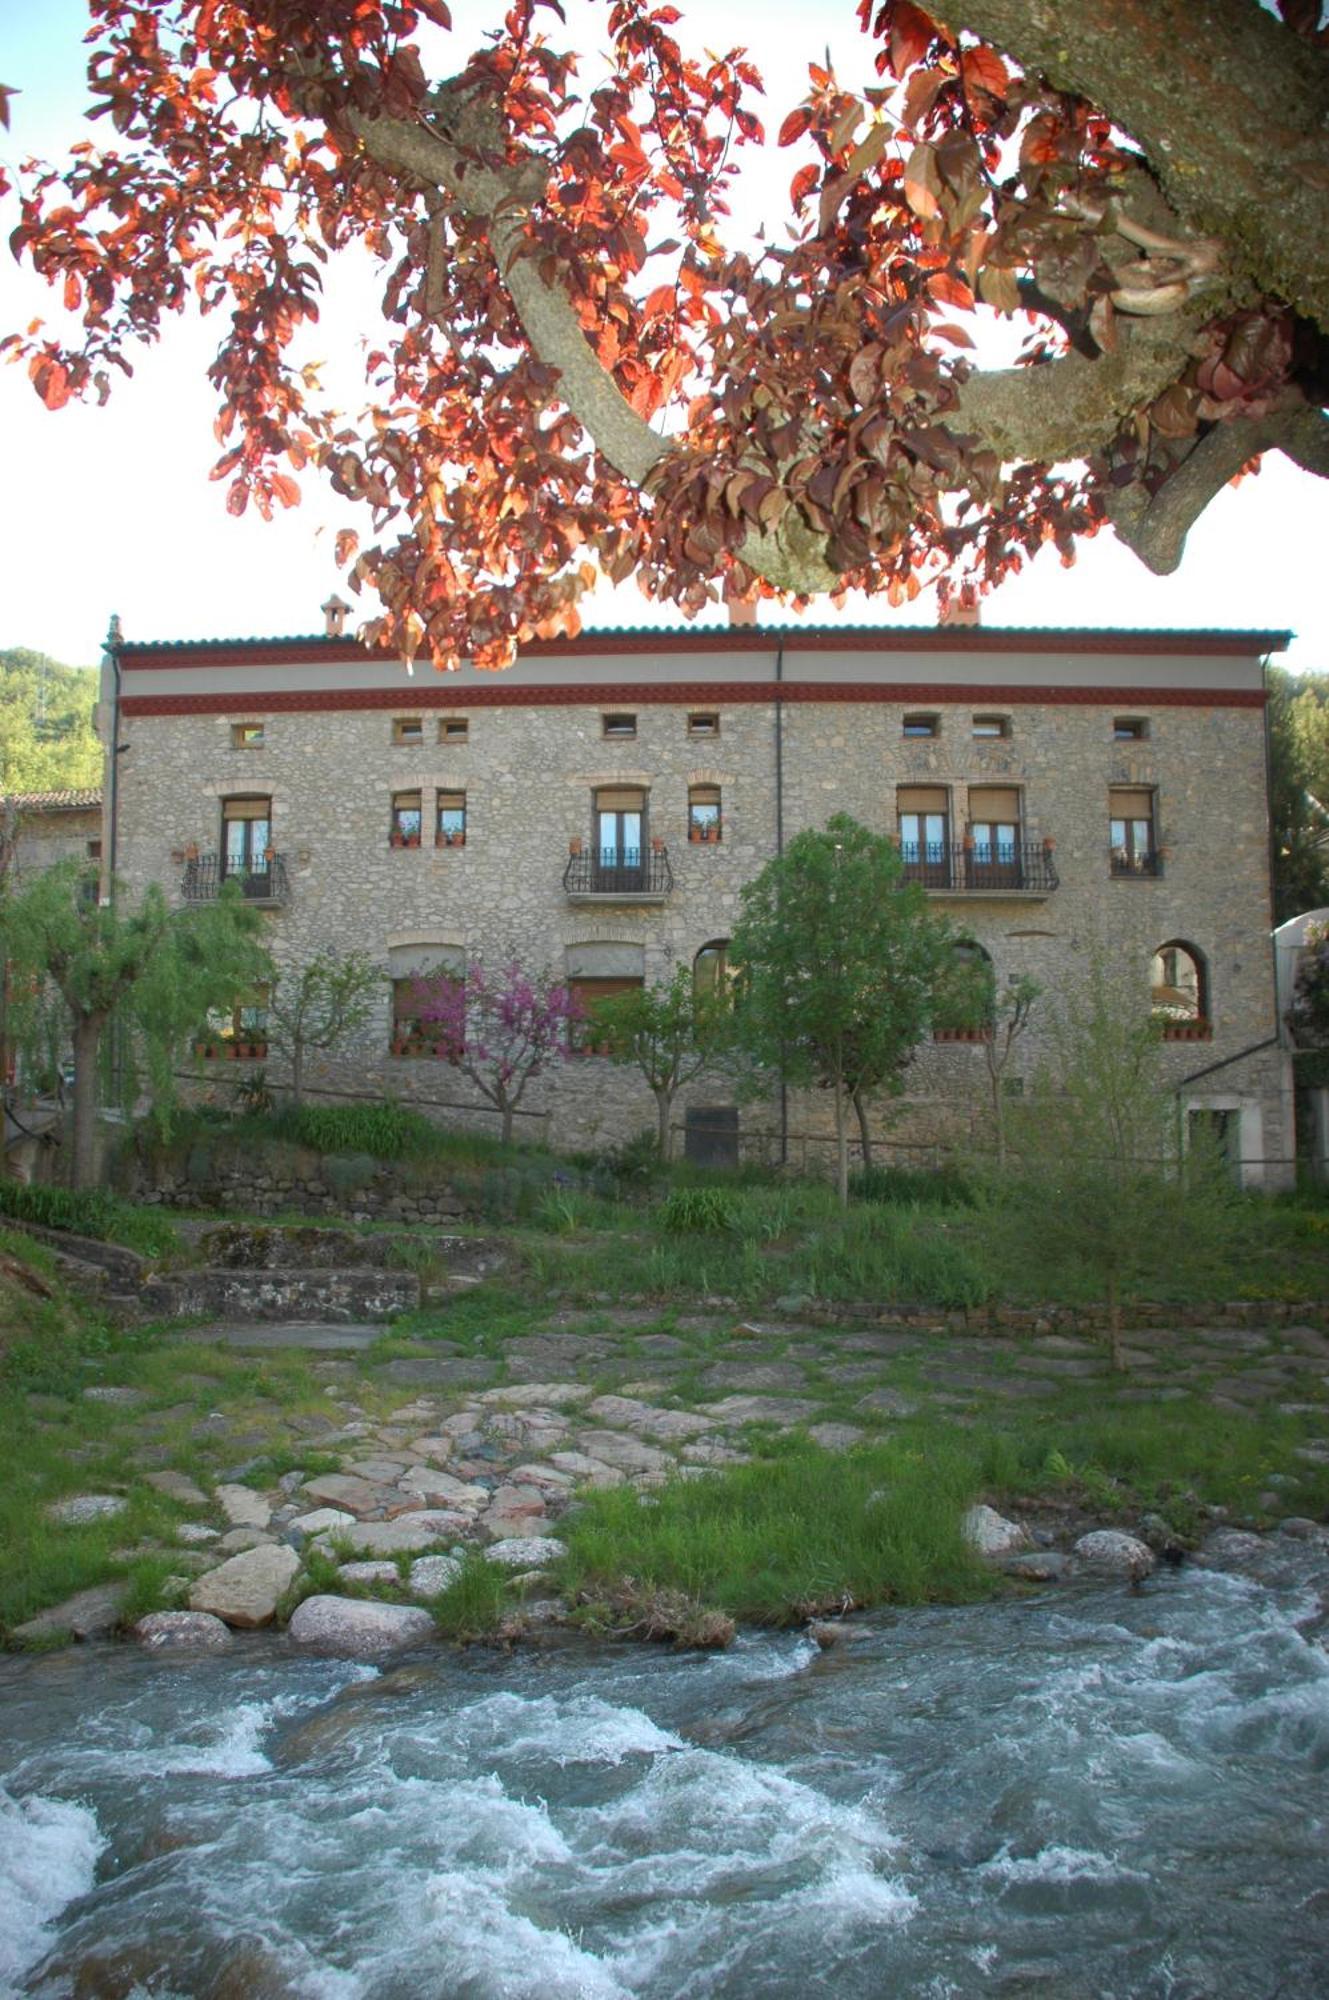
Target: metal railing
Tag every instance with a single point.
(963, 869)
(264, 881)
(622, 872)
(1123, 862)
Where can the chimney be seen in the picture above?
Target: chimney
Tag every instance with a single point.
(334, 617)
(960, 607)
(742, 611)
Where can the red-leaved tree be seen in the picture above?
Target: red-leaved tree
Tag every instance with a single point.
(578, 373)
(501, 1032)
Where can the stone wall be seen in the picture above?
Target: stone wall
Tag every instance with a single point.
(225, 1175)
(530, 767)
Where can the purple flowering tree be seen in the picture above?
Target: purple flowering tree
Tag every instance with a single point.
(500, 1031)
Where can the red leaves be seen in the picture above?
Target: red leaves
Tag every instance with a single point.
(51, 381)
(922, 182)
(795, 125)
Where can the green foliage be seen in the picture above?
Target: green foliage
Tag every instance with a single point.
(898, 1187)
(701, 1211)
(794, 1533)
(842, 964)
(90, 1212)
(47, 741)
(386, 1130)
(1308, 1016)
(319, 1005)
(473, 1604)
(671, 1033)
(1299, 790)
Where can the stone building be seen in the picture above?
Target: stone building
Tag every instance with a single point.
(598, 808)
(54, 826)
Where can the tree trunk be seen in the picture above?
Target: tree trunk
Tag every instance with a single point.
(664, 1133)
(864, 1135)
(1114, 1323)
(841, 1146)
(87, 1039)
(506, 1109)
(999, 1117)
(297, 1070)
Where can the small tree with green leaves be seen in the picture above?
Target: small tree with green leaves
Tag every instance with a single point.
(673, 1033)
(154, 971)
(319, 1005)
(842, 962)
(1099, 1181)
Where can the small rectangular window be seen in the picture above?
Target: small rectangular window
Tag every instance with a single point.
(450, 823)
(454, 729)
(1129, 729)
(707, 724)
(704, 823)
(618, 725)
(922, 725)
(992, 725)
(246, 736)
(408, 729)
(406, 815)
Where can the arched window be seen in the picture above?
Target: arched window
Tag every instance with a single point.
(711, 970)
(966, 1004)
(1179, 992)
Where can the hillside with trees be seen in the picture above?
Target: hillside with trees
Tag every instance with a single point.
(47, 741)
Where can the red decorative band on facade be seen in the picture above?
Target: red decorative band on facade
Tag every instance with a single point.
(630, 694)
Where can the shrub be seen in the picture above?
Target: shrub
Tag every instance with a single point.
(926, 1187)
(87, 1212)
(708, 1211)
(387, 1131)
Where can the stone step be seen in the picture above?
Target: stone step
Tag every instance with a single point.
(318, 1295)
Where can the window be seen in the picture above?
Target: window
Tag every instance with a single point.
(619, 851)
(407, 729)
(1131, 831)
(1179, 993)
(924, 827)
(406, 818)
(240, 1032)
(967, 1002)
(596, 972)
(711, 970)
(1129, 729)
(704, 813)
(618, 725)
(992, 725)
(922, 725)
(707, 724)
(246, 736)
(454, 729)
(247, 844)
(450, 821)
(992, 850)
(423, 975)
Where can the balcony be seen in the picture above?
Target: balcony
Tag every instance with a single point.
(959, 870)
(626, 876)
(265, 883)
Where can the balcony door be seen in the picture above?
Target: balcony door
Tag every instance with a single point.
(924, 834)
(246, 843)
(994, 829)
(620, 843)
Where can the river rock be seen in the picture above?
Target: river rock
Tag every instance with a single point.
(195, 1534)
(432, 1574)
(322, 1521)
(373, 1574)
(409, 1534)
(1107, 1552)
(243, 1507)
(431, 1484)
(356, 1629)
(526, 1551)
(1036, 1566)
(89, 1614)
(989, 1533)
(236, 1539)
(354, 1496)
(81, 1508)
(247, 1590)
(181, 1631)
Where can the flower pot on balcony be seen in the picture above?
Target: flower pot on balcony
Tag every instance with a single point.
(1049, 846)
(191, 852)
(694, 835)
(657, 845)
(574, 847)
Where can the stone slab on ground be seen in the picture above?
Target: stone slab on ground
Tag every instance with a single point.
(620, 1449)
(243, 1507)
(175, 1486)
(433, 1574)
(89, 1614)
(432, 1484)
(355, 1629)
(407, 1535)
(342, 1490)
(314, 1336)
(374, 1575)
(525, 1395)
(762, 1409)
(619, 1412)
(526, 1551)
(247, 1590)
(81, 1508)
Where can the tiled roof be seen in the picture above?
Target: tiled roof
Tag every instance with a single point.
(80, 799)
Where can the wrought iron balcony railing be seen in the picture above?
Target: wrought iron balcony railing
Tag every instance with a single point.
(961, 870)
(264, 881)
(1123, 862)
(623, 875)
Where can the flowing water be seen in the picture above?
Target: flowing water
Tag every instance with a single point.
(1098, 1793)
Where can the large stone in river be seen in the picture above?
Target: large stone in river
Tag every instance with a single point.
(182, 1631)
(991, 1534)
(1107, 1552)
(247, 1590)
(356, 1629)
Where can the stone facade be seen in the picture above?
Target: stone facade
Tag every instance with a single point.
(1038, 728)
(55, 826)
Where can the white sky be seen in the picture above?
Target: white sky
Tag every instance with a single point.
(112, 510)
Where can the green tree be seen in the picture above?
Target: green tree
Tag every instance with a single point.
(1299, 790)
(153, 971)
(972, 999)
(320, 1005)
(1098, 1181)
(47, 741)
(672, 1033)
(842, 964)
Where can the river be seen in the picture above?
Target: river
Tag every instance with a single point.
(1097, 1792)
